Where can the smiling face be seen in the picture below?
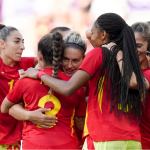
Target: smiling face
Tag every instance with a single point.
(142, 46)
(13, 46)
(72, 60)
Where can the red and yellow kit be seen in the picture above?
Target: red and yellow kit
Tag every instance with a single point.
(101, 124)
(10, 128)
(145, 120)
(35, 95)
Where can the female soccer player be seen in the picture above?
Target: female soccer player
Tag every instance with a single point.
(11, 48)
(74, 52)
(61, 136)
(113, 110)
(142, 37)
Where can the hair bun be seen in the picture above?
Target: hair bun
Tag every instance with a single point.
(2, 26)
(57, 36)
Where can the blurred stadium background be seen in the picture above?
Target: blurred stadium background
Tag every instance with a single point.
(35, 18)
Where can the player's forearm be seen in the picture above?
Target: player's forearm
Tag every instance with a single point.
(18, 112)
(59, 86)
(67, 88)
(79, 121)
(133, 82)
(6, 104)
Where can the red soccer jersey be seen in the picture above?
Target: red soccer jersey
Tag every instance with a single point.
(101, 124)
(145, 120)
(10, 128)
(35, 95)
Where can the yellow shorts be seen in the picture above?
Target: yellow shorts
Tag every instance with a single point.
(14, 146)
(89, 144)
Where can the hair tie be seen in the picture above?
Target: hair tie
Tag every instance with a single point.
(77, 45)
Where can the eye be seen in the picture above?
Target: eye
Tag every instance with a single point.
(17, 41)
(139, 46)
(65, 59)
(75, 60)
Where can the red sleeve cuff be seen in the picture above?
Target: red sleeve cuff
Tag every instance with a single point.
(40, 73)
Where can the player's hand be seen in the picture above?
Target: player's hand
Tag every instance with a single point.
(109, 45)
(88, 34)
(31, 73)
(37, 117)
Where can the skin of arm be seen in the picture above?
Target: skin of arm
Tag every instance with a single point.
(6, 104)
(37, 117)
(77, 80)
(133, 82)
(32, 73)
(79, 122)
(71, 86)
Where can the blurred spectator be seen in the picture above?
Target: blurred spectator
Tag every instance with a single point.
(37, 17)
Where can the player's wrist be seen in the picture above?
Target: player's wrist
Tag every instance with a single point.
(40, 74)
(27, 115)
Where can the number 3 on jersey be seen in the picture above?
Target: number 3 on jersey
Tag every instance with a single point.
(11, 84)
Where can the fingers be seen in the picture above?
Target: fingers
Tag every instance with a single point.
(23, 76)
(44, 123)
(49, 119)
(46, 126)
(46, 116)
(44, 109)
(88, 34)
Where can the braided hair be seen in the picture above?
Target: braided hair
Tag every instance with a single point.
(5, 31)
(117, 86)
(51, 46)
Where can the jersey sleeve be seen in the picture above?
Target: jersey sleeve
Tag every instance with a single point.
(92, 61)
(81, 108)
(27, 62)
(16, 94)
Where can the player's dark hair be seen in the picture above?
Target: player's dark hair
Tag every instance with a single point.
(5, 31)
(117, 86)
(59, 29)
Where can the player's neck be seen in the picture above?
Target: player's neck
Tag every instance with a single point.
(47, 66)
(7, 61)
(144, 64)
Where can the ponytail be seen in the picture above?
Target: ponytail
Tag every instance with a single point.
(117, 86)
